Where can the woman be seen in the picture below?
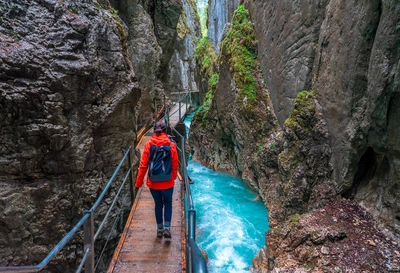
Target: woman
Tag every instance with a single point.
(161, 190)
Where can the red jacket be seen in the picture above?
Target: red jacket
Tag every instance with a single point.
(159, 140)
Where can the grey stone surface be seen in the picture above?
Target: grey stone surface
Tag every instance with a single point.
(220, 13)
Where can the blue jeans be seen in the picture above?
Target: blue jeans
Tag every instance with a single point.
(163, 199)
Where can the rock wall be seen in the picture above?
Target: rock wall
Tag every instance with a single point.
(348, 52)
(68, 97)
(335, 140)
(182, 67)
(161, 43)
(145, 54)
(219, 15)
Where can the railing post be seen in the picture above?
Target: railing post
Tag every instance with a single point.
(179, 105)
(164, 102)
(130, 176)
(88, 242)
(189, 260)
(192, 224)
(186, 102)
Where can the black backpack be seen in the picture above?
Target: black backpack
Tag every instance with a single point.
(160, 163)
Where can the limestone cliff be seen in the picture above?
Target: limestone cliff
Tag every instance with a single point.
(219, 16)
(182, 68)
(348, 53)
(161, 42)
(323, 128)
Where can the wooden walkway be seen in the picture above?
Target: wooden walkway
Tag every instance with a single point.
(139, 250)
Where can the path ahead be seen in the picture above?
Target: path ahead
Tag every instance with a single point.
(139, 249)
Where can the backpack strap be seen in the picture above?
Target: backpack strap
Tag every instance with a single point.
(152, 159)
(164, 156)
(171, 140)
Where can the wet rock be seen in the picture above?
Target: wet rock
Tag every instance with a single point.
(314, 241)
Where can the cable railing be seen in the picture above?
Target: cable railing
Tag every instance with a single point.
(195, 260)
(87, 222)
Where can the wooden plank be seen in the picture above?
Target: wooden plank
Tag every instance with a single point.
(141, 250)
(124, 233)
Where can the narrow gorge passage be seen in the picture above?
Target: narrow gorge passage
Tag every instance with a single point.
(231, 220)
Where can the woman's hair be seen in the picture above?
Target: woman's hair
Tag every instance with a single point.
(160, 127)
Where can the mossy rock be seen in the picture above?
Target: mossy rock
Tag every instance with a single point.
(239, 46)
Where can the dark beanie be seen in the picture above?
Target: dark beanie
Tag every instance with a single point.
(160, 127)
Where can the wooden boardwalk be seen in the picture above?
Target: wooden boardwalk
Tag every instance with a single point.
(139, 250)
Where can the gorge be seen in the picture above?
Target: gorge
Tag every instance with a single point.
(299, 99)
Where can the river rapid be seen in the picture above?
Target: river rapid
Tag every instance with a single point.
(231, 219)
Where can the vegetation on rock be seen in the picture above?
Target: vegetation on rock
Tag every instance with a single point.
(202, 7)
(182, 28)
(304, 165)
(239, 45)
(207, 60)
(303, 111)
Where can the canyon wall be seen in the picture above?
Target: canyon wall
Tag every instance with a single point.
(348, 52)
(219, 15)
(323, 128)
(182, 73)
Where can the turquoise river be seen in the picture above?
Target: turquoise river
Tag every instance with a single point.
(231, 220)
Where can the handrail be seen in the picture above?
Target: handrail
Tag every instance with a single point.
(195, 261)
(185, 98)
(87, 222)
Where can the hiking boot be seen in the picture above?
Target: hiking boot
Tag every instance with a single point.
(160, 233)
(167, 233)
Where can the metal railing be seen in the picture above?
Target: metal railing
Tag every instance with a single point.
(195, 261)
(185, 98)
(87, 221)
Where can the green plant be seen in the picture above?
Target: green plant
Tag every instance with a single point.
(308, 267)
(295, 219)
(303, 104)
(73, 10)
(272, 146)
(205, 56)
(207, 59)
(113, 11)
(278, 229)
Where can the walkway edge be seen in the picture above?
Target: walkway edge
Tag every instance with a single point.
(117, 250)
